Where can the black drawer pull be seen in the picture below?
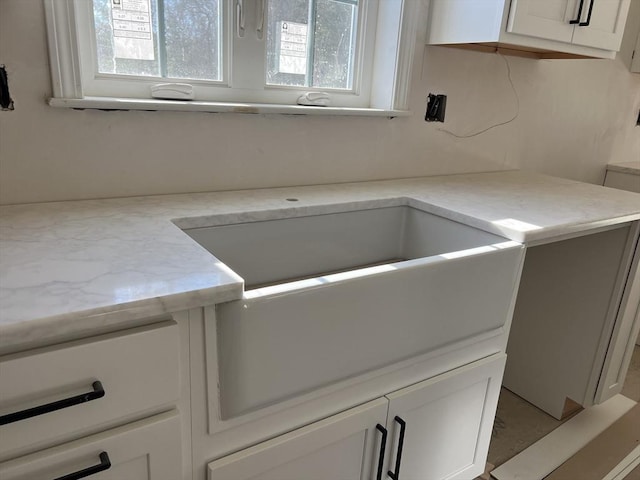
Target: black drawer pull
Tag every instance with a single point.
(403, 425)
(383, 445)
(98, 392)
(105, 464)
(577, 20)
(586, 24)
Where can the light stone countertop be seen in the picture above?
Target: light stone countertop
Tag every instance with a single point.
(625, 167)
(72, 269)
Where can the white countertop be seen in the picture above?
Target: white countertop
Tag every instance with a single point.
(625, 167)
(75, 268)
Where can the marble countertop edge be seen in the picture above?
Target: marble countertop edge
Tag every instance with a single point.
(81, 267)
(625, 167)
(64, 327)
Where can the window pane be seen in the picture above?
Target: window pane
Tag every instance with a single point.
(159, 38)
(192, 39)
(126, 31)
(287, 53)
(335, 43)
(311, 43)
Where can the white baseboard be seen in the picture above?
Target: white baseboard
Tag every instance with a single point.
(551, 451)
(625, 467)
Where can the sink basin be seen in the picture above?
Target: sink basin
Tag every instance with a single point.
(277, 251)
(334, 296)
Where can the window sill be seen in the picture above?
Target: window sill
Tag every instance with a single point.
(109, 103)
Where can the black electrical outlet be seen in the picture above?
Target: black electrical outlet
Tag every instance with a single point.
(436, 105)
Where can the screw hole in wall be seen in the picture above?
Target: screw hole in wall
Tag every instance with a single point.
(292, 199)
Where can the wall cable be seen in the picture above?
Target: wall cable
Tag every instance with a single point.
(515, 94)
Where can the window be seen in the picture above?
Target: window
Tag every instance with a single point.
(240, 55)
(312, 43)
(158, 38)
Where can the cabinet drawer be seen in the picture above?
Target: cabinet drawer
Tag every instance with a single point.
(138, 370)
(148, 449)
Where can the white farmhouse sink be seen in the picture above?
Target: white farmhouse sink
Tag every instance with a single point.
(330, 297)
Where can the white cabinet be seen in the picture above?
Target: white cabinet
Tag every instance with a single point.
(51, 394)
(545, 28)
(104, 405)
(448, 422)
(591, 23)
(575, 319)
(605, 20)
(548, 19)
(624, 176)
(436, 429)
(345, 446)
(629, 52)
(148, 449)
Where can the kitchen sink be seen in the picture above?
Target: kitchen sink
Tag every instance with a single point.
(334, 296)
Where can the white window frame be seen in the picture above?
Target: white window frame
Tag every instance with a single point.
(383, 91)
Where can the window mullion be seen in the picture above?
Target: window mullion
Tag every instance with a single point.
(311, 35)
(352, 45)
(247, 54)
(162, 39)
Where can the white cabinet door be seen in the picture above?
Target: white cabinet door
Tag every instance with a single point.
(148, 449)
(345, 447)
(437, 429)
(606, 24)
(448, 421)
(547, 19)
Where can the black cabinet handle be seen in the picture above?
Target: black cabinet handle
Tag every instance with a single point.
(403, 425)
(577, 20)
(383, 446)
(98, 392)
(105, 464)
(586, 24)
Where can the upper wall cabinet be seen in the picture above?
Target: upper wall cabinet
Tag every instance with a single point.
(629, 52)
(543, 28)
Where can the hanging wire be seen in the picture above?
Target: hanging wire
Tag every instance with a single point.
(515, 93)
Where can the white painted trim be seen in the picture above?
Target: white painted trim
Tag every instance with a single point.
(108, 103)
(63, 48)
(73, 70)
(412, 16)
(625, 313)
(625, 467)
(548, 453)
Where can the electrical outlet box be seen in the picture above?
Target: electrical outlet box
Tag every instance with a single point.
(436, 105)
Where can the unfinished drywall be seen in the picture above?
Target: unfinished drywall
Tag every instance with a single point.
(573, 116)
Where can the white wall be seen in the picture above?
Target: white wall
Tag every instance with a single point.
(574, 117)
